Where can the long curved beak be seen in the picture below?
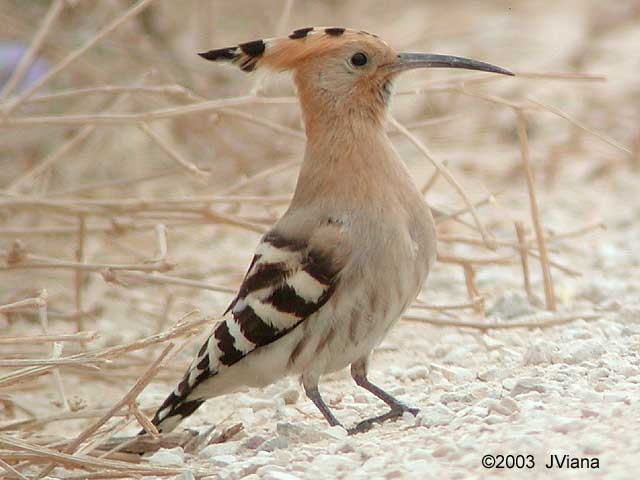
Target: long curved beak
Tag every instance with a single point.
(406, 61)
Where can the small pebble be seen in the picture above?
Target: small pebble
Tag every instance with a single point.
(417, 372)
(273, 443)
(510, 305)
(290, 396)
(223, 460)
(581, 351)
(165, 456)
(279, 475)
(186, 475)
(253, 442)
(526, 385)
(434, 416)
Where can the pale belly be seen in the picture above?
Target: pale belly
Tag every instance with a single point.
(358, 318)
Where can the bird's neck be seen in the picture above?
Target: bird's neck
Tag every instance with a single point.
(349, 162)
(326, 113)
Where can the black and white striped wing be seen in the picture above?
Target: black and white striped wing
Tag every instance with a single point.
(285, 284)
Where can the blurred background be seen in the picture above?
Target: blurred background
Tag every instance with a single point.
(132, 210)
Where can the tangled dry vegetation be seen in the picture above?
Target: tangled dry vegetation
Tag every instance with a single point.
(135, 181)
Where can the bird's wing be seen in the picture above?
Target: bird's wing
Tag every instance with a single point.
(287, 281)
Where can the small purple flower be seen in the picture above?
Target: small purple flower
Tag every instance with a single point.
(10, 55)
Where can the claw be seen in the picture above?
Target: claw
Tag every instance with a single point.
(366, 425)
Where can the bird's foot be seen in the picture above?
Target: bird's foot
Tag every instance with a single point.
(397, 411)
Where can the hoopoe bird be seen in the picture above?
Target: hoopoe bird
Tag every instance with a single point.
(353, 249)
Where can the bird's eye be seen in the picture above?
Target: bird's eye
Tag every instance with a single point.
(358, 59)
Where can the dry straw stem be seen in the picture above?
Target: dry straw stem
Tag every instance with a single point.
(577, 123)
(535, 321)
(161, 243)
(38, 422)
(143, 420)
(432, 180)
(571, 76)
(500, 260)
(492, 98)
(172, 90)
(31, 261)
(56, 351)
(146, 443)
(110, 206)
(442, 217)
(457, 306)
(495, 260)
(527, 242)
(524, 258)
(9, 469)
(80, 337)
(535, 215)
(159, 279)
(50, 362)
(22, 304)
(172, 152)
(78, 274)
(472, 291)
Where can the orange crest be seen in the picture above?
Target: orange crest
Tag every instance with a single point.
(285, 53)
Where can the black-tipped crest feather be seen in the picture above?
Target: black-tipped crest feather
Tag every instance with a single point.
(228, 53)
(245, 55)
(253, 49)
(334, 31)
(300, 33)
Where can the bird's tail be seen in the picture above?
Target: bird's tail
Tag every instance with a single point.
(184, 400)
(176, 407)
(216, 353)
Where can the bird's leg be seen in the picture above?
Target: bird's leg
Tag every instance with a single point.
(359, 375)
(314, 395)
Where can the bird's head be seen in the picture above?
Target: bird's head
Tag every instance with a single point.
(338, 69)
